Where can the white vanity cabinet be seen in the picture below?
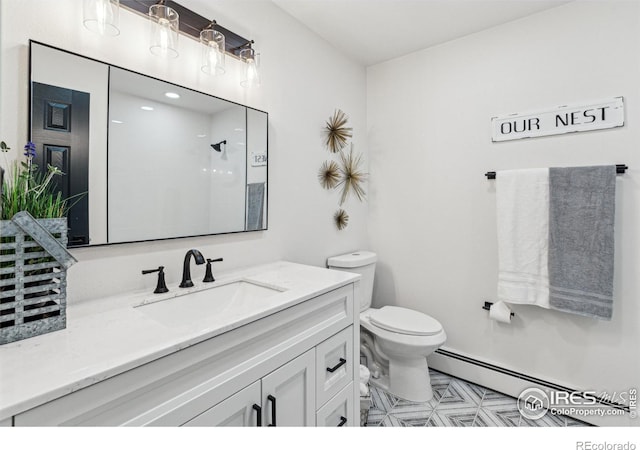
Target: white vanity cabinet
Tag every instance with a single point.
(299, 362)
(288, 396)
(285, 397)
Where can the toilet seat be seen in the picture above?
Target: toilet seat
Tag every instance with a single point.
(404, 321)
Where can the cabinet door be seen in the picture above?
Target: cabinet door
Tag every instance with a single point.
(288, 393)
(338, 412)
(242, 409)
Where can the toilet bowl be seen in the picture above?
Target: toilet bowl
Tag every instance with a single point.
(400, 350)
(394, 341)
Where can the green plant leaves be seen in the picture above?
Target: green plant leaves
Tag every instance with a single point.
(29, 190)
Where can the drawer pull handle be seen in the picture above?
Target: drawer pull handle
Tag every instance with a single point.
(337, 366)
(258, 411)
(343, 420)
(272, 399)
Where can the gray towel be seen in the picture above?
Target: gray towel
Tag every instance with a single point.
(255, 206)
(581, 241)
(1, 184)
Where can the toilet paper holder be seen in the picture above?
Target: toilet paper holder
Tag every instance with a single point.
(487, 306)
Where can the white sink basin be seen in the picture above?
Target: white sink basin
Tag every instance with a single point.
(232, 299)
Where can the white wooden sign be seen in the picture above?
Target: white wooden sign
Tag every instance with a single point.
(586, 116)
(258, 159)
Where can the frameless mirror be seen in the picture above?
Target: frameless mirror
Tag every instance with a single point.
(153, 159)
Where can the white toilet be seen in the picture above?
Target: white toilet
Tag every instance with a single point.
(395, 341)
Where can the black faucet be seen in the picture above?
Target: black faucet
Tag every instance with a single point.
(186, 268)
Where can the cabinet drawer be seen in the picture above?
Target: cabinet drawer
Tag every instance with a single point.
(338, 411)
(334, 365)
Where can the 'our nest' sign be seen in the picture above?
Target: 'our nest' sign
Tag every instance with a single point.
(587, 116)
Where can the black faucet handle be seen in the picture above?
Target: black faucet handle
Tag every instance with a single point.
(208, 276)
(144, 272)
(161, 286)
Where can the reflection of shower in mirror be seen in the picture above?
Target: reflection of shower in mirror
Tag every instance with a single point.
(217, 147)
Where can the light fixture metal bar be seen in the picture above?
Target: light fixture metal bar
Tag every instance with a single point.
(191, 23)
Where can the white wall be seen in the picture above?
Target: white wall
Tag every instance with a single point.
(432, 211)
(304, 80)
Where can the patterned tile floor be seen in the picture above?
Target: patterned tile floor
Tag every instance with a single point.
(455, 403)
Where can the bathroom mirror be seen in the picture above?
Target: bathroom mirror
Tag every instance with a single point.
(151, 160)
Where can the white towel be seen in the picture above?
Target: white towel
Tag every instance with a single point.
(364, 374)
(522, 198)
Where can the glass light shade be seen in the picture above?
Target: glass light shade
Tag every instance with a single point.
(165, 24)
(251, 75)
(213, 51)
(101, 16)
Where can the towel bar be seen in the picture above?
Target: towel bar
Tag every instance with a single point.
(620, 169)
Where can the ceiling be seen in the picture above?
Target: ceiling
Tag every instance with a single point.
(373, 31)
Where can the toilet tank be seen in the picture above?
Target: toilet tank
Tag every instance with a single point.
(363, 263)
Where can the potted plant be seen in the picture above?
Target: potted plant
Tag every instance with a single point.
(32, 279)
(27, 189)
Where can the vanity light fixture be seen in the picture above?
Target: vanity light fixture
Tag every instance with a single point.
(101, 16)
(165, 24)
(213, 49)
(172, 95)
(251, 70)
(169, 18)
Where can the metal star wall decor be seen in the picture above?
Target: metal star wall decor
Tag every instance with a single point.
(337, 132)
(352, 176)
(329, 174)
(341, 219)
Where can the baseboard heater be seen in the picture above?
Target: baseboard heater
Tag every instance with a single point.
(525, 377)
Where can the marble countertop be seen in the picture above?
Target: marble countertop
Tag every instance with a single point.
(108, 336)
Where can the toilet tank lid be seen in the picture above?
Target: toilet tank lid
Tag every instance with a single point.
(355, 259)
